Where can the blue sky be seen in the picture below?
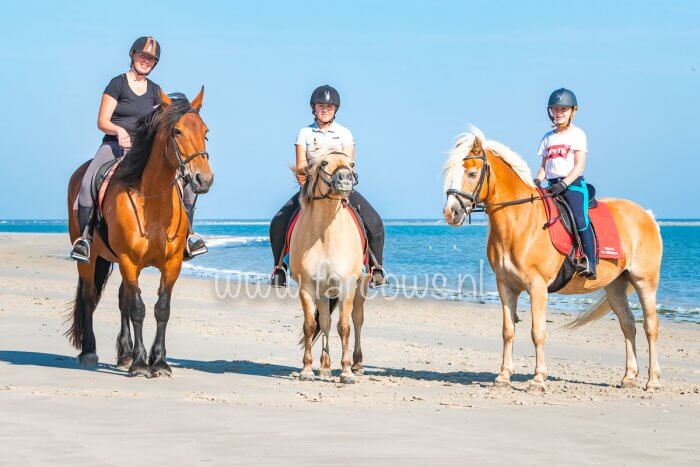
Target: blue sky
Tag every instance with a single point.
(411, 76)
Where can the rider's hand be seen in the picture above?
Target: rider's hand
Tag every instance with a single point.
(557, 188)
(537, 182)
(124, 139)
(301, 178)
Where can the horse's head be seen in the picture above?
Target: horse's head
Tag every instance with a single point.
(187, 138)
(466, 171)
(331, 175)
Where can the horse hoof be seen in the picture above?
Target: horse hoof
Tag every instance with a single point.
(306, 376)
(535, 388)
(88, 359)
(501, 382)
(161, 369)
(139, 370)
(652, 386)
(124, 363)
(324, 373)
(628, 383)
(348, 379)
(358, 371)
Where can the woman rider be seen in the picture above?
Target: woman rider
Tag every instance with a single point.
(127, 99)
(564, 151)
(325, 132)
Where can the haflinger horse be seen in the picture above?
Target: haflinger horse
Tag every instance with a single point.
(326, 261)
(521, 254)
(147, 226)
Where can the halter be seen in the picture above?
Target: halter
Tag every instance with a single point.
(475, 203)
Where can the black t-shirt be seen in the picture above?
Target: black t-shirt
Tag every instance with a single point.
(131, 107)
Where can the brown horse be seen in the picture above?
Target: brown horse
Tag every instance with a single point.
(326, 262)
(147, 226)
(522, 256)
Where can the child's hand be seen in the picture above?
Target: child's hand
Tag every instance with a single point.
(537, 182)
(557, 188)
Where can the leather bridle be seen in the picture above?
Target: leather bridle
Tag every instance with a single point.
(182, 162)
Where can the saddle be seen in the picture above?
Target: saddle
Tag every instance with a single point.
(358, 223)
(564, 235)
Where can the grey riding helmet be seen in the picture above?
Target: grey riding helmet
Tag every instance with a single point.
(561, 97)
(325, 95)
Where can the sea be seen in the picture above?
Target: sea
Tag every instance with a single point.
(427, 259)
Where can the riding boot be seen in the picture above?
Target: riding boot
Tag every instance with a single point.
(81, 246)
(279, 276)
(195, 245)
(587, 265)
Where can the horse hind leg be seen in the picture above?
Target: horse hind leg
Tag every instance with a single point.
(125, 346)
(324, 308)
(616, 293)
(646, 291)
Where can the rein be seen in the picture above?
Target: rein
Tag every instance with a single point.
(475, 204)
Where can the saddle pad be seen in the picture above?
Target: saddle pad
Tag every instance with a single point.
(353, 215)
(105, 183)
(604, 227)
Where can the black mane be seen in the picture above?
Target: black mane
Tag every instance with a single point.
(131, 167)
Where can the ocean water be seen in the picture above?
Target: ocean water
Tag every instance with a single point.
(427, 258)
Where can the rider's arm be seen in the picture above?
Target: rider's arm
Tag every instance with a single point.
(579, 166)
(350, 151)
(540, 171)
(301, 162)
(104, 123)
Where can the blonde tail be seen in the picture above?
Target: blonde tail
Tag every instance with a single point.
(596, 310)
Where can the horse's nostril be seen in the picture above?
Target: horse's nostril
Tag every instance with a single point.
(198, 179)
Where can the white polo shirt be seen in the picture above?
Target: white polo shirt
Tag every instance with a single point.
(558, 148)
(335, 136)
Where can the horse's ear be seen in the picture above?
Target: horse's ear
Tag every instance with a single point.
(164, 98)
(477, 147)
(199, 100)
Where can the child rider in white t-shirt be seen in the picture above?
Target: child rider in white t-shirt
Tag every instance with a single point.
(564, 151)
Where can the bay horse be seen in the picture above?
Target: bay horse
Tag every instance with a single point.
(326, 259)
(521, 254)
(147, 226)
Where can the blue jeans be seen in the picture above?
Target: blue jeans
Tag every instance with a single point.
(577, 197)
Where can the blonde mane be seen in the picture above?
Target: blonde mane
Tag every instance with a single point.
(454, 169)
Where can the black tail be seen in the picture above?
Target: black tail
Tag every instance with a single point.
(332, 304)
(103, 268)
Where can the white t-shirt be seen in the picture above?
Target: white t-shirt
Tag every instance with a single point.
(336, 136)
(558, 148)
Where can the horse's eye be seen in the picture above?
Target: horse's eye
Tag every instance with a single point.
(176, 131)
(324, 163)
(472, 174)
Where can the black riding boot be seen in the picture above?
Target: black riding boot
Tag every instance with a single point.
(195, 245)
(81, 246)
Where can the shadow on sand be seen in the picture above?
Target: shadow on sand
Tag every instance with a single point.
(18, 357)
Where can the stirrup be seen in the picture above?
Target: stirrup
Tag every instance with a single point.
(81, 251)
(378, 278)
(583, 268)
(194, 246)
(278, 277)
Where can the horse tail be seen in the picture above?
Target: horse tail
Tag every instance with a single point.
(333, 303)
(103, 268)
(596, 310)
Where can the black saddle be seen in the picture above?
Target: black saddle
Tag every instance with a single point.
(99, 178)
(566, 216)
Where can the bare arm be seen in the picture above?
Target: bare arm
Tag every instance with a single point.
(350, 151)
(104, 117)
(540, 171)
(301, 162)
(579, 166)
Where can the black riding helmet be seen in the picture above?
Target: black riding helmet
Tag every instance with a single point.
(148, 46)
(325, 95)
(561, 97)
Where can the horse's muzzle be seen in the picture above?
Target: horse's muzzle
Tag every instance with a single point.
(453, 213)
(342, 180)
(201, 183)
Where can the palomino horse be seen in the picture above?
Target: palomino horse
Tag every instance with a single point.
(520, 252)
(326, 262)
(147, 226)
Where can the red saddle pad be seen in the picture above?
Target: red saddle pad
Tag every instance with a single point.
(607, 235)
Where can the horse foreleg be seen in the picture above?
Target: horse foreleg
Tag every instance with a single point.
(646, 291)
(538, 304)
(616, 293)
(358, 318)
(346, 375)
(509, 300)
(324, 321)
(125, 346)
(132, 304)
(308, 304)
(156, 359)
(87, 295)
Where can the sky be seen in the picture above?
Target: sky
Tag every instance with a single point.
(411, 75)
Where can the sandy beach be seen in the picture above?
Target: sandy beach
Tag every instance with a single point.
(426, 398)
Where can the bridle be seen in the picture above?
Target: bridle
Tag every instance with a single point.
(329, 179)
(472, 202)
(182, 162)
